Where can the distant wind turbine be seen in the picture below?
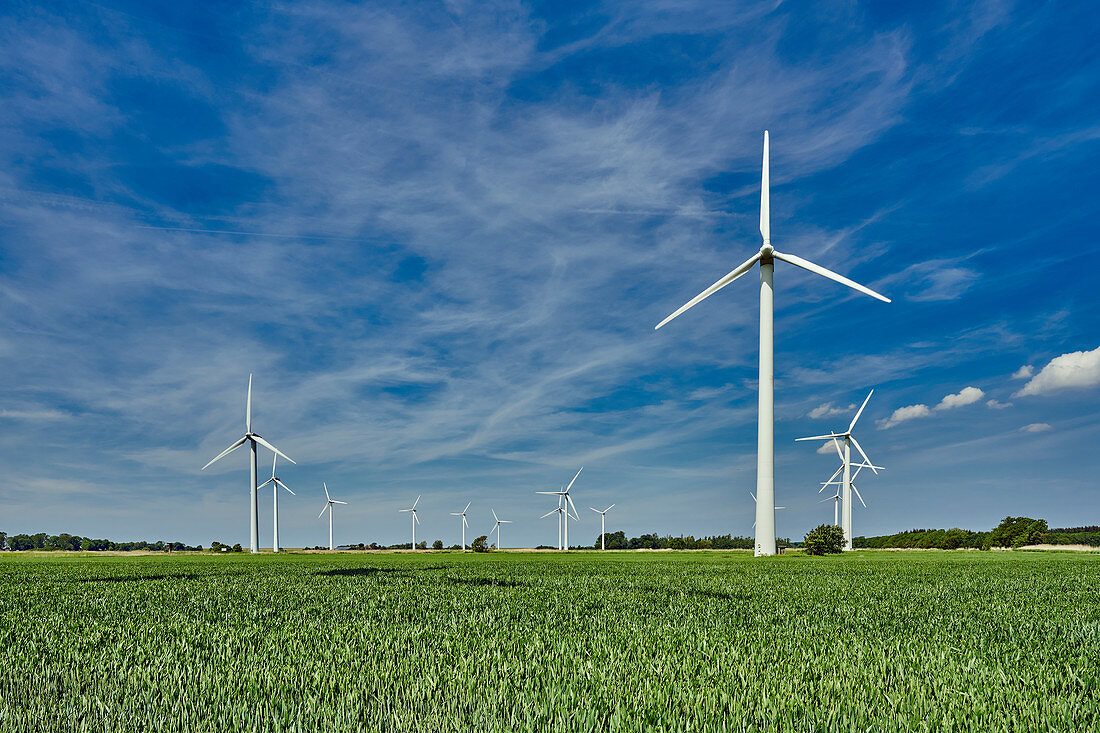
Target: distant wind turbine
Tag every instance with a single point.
(603, 531)
(496, 527)
(833, 482)
(276, 483)
(415, 520)
(464, 525)
(568, 505)
(329, 501)
(252, 439)
(846, 466)
(765, 446)
(559, 511)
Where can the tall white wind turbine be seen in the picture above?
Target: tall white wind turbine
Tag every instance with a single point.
(329, 501)
(252, 439)
(496, 527)
(765, 445)
(846, 461)
(839, 484)
(559, 511)
(568, 505)
(415, 520)
(603, 528)
(465, 524)
(276, 484)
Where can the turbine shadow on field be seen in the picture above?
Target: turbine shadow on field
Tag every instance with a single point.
(371, 571)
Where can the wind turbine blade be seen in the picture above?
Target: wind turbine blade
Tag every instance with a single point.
(552, 511)
(595, 510)
(404, 510)
(326, 491)
(455, 514)
(416, 502)
(574, 479)
(821, 437)
(765, 196)
(831, 478)
(572, 505)
(608, 509)
(752, 495)
(860, 411)
(831, 498)
(556, 493)
(265, 483)
(467, 508)
(334, 501)
(226, 452)
(861, 501)
(865, 458)
(274, 458)
(248, 408)
(416, 518)
(723, 282)
(494, 514)
(839, 452)
(323, 511)
(506, 521)
(464, 522)
(273, 449)
(280, 483)
(819, 270)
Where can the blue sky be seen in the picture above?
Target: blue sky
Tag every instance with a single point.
(440, 235)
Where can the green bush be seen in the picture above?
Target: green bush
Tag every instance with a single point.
(823, 540)
(481, 544)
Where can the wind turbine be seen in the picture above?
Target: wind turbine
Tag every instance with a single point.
(846, 461)
(415, 519)
(496, 527)
(765, 445)
(328, 508)
(275, 482)
(464, 525)
(833, 482)
(568, 504)
(559, 511)
(603, 532)
(252, 439)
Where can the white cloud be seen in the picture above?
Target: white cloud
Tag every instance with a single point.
(966, 396)
(827, 410)
(902, 414)
(1036, 427)
(1024, 372)
(827, 449)
(996, 405)
(33, 414)
(1075, 369)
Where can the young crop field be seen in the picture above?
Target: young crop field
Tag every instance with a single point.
(547, 642)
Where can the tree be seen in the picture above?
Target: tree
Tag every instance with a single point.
(3, 540)
(237, 547)
(437, 545)
(1017, 532)
(481, 544)
(824, 539)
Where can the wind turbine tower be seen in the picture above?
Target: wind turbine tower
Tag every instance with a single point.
(415, 520)
(329, 501)
(765, 444)
(603, 529)
(464, 525)
(276, 484)
(252, 439)
(846, 465)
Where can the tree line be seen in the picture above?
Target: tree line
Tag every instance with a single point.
(1011, 532)
(66, 541)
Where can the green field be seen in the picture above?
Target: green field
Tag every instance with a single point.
(539, 642)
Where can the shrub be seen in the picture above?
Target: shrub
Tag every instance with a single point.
(824, 539)
(481, 544)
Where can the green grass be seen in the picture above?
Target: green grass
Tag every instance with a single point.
(540, 642)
